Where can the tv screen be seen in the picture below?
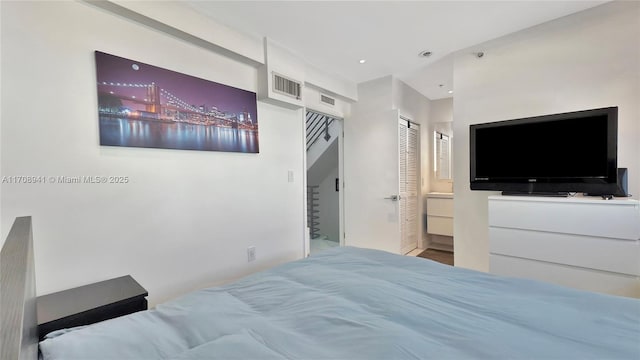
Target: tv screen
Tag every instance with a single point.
(568, 152)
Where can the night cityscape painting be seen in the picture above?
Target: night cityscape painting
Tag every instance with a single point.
(141, 105)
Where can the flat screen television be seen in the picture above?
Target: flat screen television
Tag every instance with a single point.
(547, 155)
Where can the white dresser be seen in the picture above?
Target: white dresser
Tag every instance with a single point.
(440, 213)
(439, 227)
(581, 242)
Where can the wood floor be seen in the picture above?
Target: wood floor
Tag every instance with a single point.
(440, 256)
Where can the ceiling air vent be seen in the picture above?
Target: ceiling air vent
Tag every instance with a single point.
(327, 100)
(286, 86)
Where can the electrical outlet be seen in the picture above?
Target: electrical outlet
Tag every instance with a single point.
(251, 253)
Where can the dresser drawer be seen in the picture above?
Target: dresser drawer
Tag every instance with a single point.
(579, 278)
(440, 225)
(620, 256)
(440, 207)
(601, 218)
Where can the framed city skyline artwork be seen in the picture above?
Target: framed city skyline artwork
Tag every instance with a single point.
(141, 105)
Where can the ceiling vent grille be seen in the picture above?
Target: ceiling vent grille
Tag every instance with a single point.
(286, 86)
(327, 100)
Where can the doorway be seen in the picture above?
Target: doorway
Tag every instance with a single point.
(324, 198)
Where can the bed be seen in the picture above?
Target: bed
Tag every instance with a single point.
(353, 303)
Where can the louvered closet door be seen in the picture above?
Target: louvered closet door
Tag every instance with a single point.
(408, 140)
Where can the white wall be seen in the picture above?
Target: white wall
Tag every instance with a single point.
(371, 160)
(375, 95)
(583, 61)
(185, 218)
(410, 102)
(164, 14)
(441, 120)
(441, 110)
(315, 77)
(282, 61)
(311, 96)
(416, 107)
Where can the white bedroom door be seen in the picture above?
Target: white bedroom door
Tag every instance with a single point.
(408, 161)
(371, 180)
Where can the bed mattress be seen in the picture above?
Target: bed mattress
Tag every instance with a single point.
(351, 303)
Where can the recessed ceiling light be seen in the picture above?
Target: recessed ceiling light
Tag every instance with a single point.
(362, 61)
(425, 53)
(450, 91)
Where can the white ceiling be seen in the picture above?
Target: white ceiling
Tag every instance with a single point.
(335, 35)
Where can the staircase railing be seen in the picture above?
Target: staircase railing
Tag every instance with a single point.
(317, 125)
(312, 211)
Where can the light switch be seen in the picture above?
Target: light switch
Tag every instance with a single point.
(290, 175)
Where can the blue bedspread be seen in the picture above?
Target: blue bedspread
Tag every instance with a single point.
(350, 303)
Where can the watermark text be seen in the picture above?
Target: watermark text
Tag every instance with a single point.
(63, 179)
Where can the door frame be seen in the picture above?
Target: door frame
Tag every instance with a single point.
(341, 230)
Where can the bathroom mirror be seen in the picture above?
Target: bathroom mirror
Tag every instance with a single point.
(442, 138)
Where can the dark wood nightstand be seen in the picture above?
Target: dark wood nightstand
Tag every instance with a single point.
(89, 304)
